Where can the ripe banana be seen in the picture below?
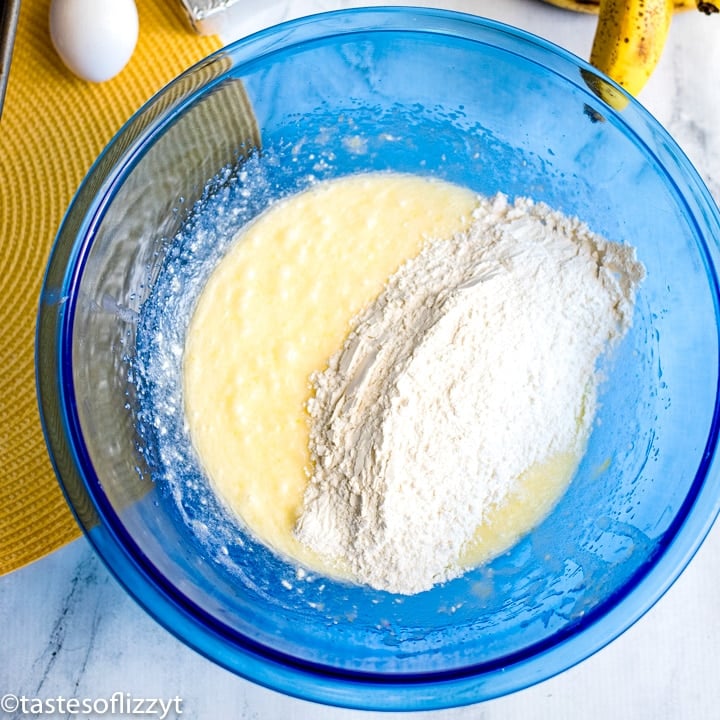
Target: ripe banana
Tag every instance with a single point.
(629, 38)
(593, 6)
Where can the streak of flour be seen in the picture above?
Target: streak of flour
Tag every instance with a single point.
(475, 364)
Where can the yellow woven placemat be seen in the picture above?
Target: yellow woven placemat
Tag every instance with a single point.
(52, 128)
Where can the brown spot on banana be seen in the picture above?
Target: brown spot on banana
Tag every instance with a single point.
(708, 7)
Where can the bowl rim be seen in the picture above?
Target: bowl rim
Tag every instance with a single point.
(165, 603)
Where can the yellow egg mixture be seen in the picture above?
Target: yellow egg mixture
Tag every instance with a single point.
(276, 307)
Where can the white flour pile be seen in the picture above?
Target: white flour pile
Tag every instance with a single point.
(476, 363)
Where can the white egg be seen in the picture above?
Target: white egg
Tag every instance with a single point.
(94, 38)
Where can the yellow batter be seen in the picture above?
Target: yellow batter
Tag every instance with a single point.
(276, 307)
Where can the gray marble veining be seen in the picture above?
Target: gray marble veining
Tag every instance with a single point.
(70, 630)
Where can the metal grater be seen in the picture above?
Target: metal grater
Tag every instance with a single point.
(206, 16)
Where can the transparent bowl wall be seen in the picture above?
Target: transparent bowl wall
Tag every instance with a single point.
(422, 91)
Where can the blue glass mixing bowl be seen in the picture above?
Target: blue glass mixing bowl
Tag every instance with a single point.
(422, 91)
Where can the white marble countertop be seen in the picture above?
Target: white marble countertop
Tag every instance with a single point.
(69, 629)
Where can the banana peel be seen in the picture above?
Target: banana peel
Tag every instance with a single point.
(629, 40)
(592, 7)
